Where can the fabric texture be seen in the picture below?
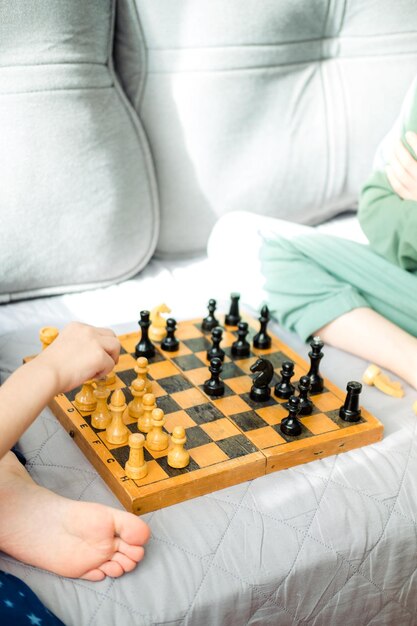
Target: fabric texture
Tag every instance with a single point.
(78, 203)
(19, 605)
(276, 110)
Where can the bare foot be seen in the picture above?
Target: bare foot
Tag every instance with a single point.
(70, 538)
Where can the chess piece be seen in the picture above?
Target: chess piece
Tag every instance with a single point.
(157, 439)
(233, 317)
(178, 456)
(350, 411)
(85, 399)
(145, 420)
(210, 321)
(241, 347)
(374, 376)
(111, 378)
(141, 369)
(260, 390)
(306, 405)
(136, 466)
(47, 335)
(170, 343)
(284, 388)
(214, 386)
(262, 341)
(144, 346)
(101, 417)
(157, 329)
(138, 389)
(291, 425)
(216, 351)
(117, 432)
(315, 354)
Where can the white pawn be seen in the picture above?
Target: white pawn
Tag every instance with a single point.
(136, 466)
(157, 439)
(145, 420)
(138, 391)
(141, 369)
(178, 456)
(117, 432)
(101, 418)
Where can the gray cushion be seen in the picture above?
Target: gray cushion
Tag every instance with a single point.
(77, 194)
(272, 107)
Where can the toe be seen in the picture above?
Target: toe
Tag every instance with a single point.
(94, 575)
(112, 569)
(135, 553)
(131, 528)
(124, 561)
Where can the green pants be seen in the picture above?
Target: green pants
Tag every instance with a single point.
(312, 278)
(306, 277)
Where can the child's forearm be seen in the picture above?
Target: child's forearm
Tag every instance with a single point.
(22, 397)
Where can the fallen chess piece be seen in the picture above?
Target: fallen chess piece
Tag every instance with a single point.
(374, 376)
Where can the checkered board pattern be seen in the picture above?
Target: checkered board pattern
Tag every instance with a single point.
(230, 439)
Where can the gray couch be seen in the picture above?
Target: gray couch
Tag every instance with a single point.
(109, 159)
(128, 127)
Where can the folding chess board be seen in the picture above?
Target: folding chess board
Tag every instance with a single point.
(230, 439)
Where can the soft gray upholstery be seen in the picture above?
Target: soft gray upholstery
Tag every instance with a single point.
(275, 108)
(272, 107)
(77, 192)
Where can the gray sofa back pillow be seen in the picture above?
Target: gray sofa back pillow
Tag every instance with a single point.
(78, 200)
(265, 106)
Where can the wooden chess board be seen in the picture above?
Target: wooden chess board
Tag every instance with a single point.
(230, 439)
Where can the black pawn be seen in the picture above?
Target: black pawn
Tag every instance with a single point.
(233, 317)
(262, 341)
(214, 386)
(284, 388)
(210, 321)
(291, 425)
(215, 351)
(316, 355)
(145, 346)
(170, 343)
(306, 405)
(241, 347)
(260, 390)
(350, 411)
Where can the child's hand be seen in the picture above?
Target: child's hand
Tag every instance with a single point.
(402, 170)
(79, 353)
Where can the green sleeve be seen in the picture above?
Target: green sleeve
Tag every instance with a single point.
(389, 222)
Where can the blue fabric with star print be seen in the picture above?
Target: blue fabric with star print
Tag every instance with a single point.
(19, 606)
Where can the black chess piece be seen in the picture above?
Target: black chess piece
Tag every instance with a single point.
(350, 411)
(241, 347)
(260, 390)
(291, 425)
(233, 317)
(262, 341)
(216, 350)
(284, 388)
(315, 354)
(214, 386)
(170, 343)
(210, 321)
(144, 347)
(306, 405)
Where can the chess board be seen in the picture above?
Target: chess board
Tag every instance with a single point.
(230, 439)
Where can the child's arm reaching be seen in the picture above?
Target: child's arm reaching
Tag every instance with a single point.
(79, 353)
